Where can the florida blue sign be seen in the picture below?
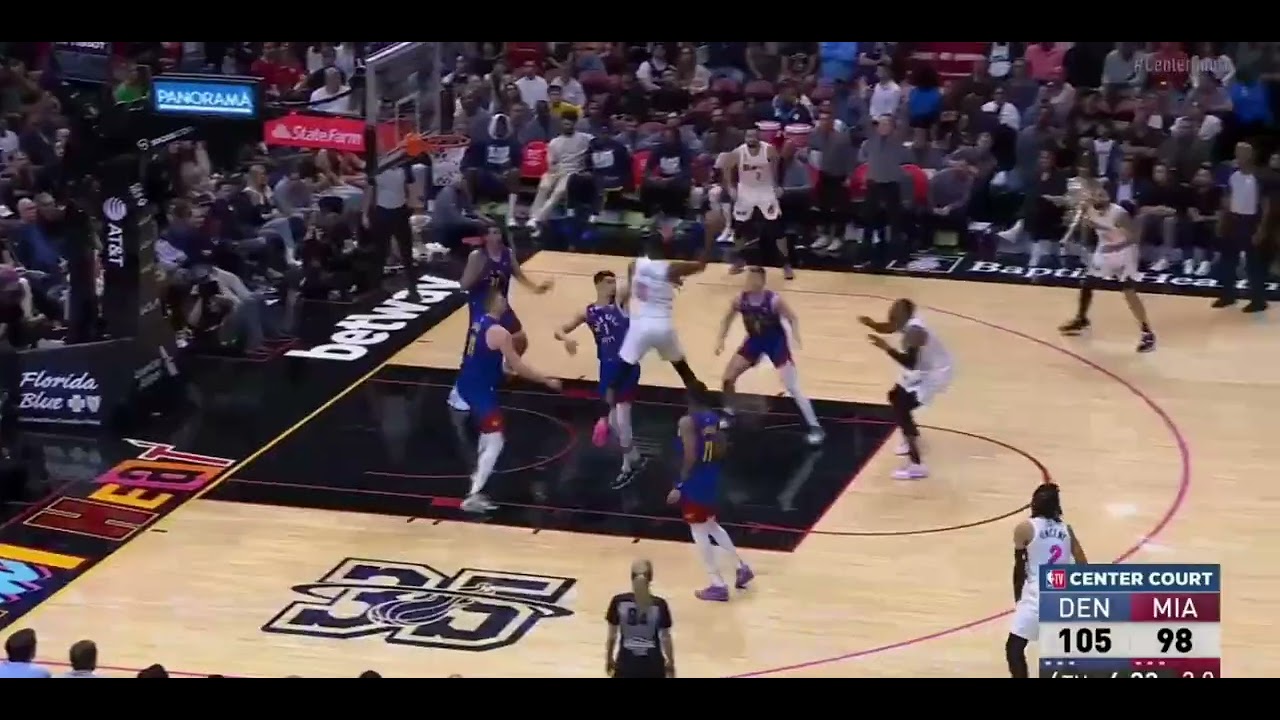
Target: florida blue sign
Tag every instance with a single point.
(208, 96)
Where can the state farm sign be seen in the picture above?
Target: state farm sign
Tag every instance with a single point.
(316, 133)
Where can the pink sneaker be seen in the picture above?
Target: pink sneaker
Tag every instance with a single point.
(713, 593)
(600, 433)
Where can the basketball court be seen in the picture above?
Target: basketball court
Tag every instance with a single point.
(339, 547)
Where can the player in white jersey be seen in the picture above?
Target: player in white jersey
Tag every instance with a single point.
(1041, 540)
(926, 372)
(652, 283)
(751, 176)
(1114, 260)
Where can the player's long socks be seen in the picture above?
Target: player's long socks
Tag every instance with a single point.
(686, 374)
(1015, 653)
(725, 542)
(622, 424)
(490, 447)
(791, 381)
(899, 400)
(702, 539)
(1086, 299)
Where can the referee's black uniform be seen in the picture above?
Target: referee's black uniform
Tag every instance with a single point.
(639, 626)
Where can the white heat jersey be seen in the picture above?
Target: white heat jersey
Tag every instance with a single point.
(1111, 236)
(1050, 545)
(932, 373)
(933, 354)
(652, 291)
(755, 172)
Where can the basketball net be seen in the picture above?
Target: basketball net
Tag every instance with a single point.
(444, 151)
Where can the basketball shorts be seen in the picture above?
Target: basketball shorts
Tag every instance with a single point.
(696, 513)
(1117, 265)
(756, 220)
(647, 334)
(925, 386)
(509, 320)
(626, 376)
(482, 405)
(1026, 618)
(773, 346)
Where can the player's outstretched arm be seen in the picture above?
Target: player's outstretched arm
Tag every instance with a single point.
(474, 269)
(1077, 551)
(883, 328)
(498, 338)
(725, 322)
(1022, 536)
(571, 345)
(517, 272)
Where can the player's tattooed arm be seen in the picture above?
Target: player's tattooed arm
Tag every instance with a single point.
(474, 270)
(725, 322)
(1022, 536)
(562, 334)
(1077, 551)
(689, 442)
(517, 272)
(913, 338)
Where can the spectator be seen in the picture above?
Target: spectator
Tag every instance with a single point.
(566, 157)
(472, 119)
(1045, 61)
(1160, 203)
(453, 216)
(571, 90)
(837, 61)
(221, 322)
(493, 166)
(281, 73)
(610, 165)
(651, 70)
(84, 660)
(949, 193)
(884, 154)
(667, 177)
(670, 97)
(8, 143)
(886, 95)
(156, 671)
(1183, 152)
(132, 87)
(691, 76)
(1203, 211)
(20, 649)
(728, 60)
(834, 158)
(386, 216)
(1213, 63)
(558, 105)
(333, 96)
(924, 102)
(787, 108)
(1021, 89)
(532, 86)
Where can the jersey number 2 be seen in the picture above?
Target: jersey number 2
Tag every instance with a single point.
(1055, 554)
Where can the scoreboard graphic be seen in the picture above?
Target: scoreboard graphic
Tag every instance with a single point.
(1121, 621)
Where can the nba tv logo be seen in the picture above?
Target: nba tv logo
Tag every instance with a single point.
(1058, 579)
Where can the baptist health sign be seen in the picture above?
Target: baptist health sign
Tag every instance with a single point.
(223, 97)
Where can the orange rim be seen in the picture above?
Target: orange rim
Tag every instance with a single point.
(416, 144)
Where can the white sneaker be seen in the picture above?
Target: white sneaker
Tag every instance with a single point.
(1160, 265)
(835, 247)
(815, 436)
(477, 503)
(820, 243)
(512, 222)
(911, 471)
(1188, 267)
(1204, 268)
(725, 237)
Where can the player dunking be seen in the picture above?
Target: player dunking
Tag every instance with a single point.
(608, 322)
(702, 451)
(768, 321)
(489, 346)
(493, 266)
(752, 175)
(652, 285)
(1041, 540)
(926, 371)
(1115, 259)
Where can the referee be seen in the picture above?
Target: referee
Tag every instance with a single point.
(386, 216)
(644, 622)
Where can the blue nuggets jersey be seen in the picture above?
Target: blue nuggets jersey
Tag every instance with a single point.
(497, 273)
(481, 369)
(609, 325)
(702, 485)
(766, 337)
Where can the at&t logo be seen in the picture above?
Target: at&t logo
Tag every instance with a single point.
(115, 209)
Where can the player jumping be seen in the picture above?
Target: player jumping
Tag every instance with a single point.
(493, 266)
(652, 284)
(489, 346)
(1041, 540)
(608, 322)
(702, 452)
(926, 371)
(768, 321)
(1115, 259)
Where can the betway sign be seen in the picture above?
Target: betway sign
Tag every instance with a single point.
(354, 335)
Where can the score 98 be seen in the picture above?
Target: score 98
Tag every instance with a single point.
(1174, 640)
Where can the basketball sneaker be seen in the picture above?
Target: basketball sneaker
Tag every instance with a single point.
(1147, 343)
(911, 471)
(743, 577)
(713, 593)
(1075, 327)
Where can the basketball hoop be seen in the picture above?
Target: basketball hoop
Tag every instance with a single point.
(417, 145)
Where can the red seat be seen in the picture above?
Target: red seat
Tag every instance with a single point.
(533, 160)
(858, 182)
(919, 184)
(639, 161)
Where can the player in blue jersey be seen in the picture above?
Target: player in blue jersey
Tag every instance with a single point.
(493, 265)
(702, 456)
(771, 327)
(489, 346)
(608, 321)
